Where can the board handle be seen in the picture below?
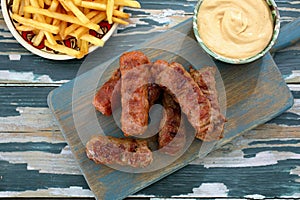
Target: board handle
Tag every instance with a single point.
(289, 34)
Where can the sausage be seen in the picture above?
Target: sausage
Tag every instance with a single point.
(102, 99)
(154, 92)
(205, 78)
(121, 151)
(175, 79)
(171, 137)
(134, 93)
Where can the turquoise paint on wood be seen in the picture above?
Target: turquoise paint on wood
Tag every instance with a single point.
(250, 90)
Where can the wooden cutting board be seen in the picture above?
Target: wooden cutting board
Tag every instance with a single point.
(255, 93)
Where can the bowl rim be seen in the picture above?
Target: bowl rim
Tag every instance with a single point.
(276, 29)
(11, 27)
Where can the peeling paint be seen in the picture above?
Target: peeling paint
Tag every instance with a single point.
(171, 198)
(43, 162)
(6, 75)
(294, 2)
(6, 35)
(33, 119)
(294, 87)
(51, 192)
(294, 77)
(296, 195)
(295, 171)
(288, 9)
(164, 16)
(208, 190)
(14, 57)
(286, 19)
(255, 196)
(236, 159)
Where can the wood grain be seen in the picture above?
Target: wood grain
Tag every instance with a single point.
(257, 105)
(19, 68)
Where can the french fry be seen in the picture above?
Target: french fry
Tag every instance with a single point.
(94, 40)
(77, 2)
(62, 28)
(98, 18)
(109, 10)
(63, 49)
(26, 14)
(83, 46)
(34, 3)
(82, 30)
(15, 6)
(120, 14)
(75, 10)
(38, 38)
(102, 7)
(41, 3)
(93, 5)
(129, 3)
(36, 24)
(62, 3)
(40, 18)
(21, 11)
(53, 7)
(62, 17)
(79, 32)
(57, 37)
(56, 22)
(120, 21)
(73, 27)
(24, 28)
(86, 11)
(92, 14)
(50, 38)
(101, 1)
(48, 2)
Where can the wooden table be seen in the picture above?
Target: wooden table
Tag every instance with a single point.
(35, 160)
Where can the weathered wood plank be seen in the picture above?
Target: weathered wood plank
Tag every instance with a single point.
(243, 112)
(272, 148)
(152, 18)
(13, 97)
(216, 165)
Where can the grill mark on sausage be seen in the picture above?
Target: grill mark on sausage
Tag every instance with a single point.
(154, 92)
(102, 99)
(121, 151)
(134, 92)
(193, 102)
(205, 78)
(171, 137)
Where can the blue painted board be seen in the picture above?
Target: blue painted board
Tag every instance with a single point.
(255, 93)
(289, 34)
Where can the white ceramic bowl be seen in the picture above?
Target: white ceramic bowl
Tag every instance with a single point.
(24, 38)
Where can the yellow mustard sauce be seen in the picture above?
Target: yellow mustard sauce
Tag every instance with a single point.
(235, 29)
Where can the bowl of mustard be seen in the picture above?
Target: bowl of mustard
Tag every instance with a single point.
(236, 31)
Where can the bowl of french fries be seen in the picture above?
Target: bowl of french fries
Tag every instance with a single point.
(64, 29)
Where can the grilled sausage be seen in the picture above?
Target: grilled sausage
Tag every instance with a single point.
(134, 93)
(121, 151)
(178, 81)
(205, 78)
(171, 137)
(102, 99)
